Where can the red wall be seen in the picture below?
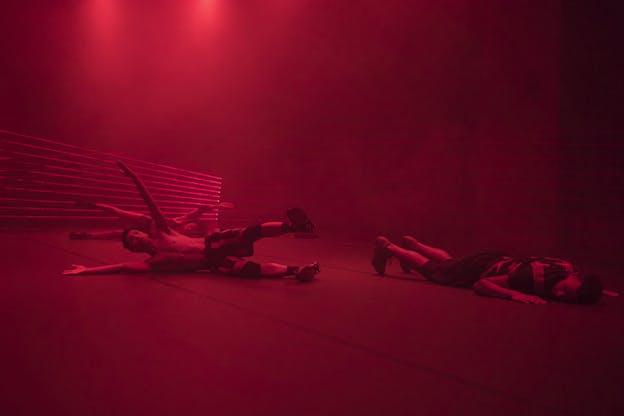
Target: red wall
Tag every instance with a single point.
(438, 118)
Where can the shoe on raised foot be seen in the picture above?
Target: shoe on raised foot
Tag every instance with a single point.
(307, 273)
(405, 265)
(299, 221)
(381, 255)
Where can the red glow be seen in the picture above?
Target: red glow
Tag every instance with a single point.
(50, 202)
(104, 197)
(112, 155)
(77, 173)
(117, 184)
(204, 16)
(89, 165)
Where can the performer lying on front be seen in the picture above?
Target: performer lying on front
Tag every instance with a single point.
(528, 280)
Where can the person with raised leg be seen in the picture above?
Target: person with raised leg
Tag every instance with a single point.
(221, 251)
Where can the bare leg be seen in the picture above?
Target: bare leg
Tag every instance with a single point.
(243, 268)
(412, 258)
(273, 270)
(432, 253)
(266, 229)
(273, 229)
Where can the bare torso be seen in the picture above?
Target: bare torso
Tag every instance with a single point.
(176, 251)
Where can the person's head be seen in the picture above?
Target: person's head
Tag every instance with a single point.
(578, 288)
(137, 241)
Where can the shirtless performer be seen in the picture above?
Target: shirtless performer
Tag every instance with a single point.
(221, 251)
(188, 224)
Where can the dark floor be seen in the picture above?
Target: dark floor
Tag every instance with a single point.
(348, 343)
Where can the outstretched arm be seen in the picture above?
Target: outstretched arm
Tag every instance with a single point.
(131, 267)
(121, 213)
(498, 287)
(195, 215)
(157, 215)
(191, 216)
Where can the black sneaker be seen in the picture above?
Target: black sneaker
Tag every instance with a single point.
(299, 221)
(381, 255)
(307, 273)
(405, 265)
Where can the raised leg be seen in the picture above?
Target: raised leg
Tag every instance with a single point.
(266, 229)
(412, 258)
(384, 249)
(430, 252)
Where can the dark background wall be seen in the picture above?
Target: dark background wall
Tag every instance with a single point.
(471, 124)
(591, 177)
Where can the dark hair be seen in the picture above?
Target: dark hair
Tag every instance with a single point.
(590, 290)
(124, 237)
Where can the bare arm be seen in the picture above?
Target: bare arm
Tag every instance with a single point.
(157, 215)
(191, 216)
(121, 213)
(498, 287)
(131, 267)
(195, 215)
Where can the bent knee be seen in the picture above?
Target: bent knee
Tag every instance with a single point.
(409, 241)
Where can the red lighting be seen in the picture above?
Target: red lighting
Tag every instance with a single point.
(44, 177)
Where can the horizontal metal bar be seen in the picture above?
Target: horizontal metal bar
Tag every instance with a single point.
(185, 207)
(157, 195)
(116, 170)
(104, 197)
(108, 154)
(150, 182)
(162, 175)
(131, 187)
(48, 150)
(167, 214)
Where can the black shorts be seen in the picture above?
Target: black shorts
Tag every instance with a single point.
(235, 242)
(463, 272)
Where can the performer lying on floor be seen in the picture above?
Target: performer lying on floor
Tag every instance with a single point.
(221, 251)
(528, 280)
(189, 224)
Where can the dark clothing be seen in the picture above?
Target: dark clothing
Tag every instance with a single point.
(463, 272)
(539, 275)
(236, 266)
(236, 242)
(531, 275)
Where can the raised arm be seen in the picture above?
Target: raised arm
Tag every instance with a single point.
(498, 287)
(157, 216)
(121, 213)
(130, 267)
(195, 214)
(191, 216)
